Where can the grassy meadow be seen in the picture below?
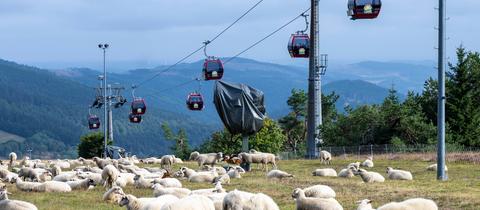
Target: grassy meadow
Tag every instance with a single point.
(461, 191)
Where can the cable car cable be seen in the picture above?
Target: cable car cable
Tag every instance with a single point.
(266, 37)
(195, 51)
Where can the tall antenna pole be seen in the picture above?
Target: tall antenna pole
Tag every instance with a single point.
(312, 118)
(105, 97)
(441, 91)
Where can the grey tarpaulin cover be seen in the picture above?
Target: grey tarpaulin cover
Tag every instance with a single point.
(240, 107)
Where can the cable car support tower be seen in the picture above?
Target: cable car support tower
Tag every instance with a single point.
(317, 68)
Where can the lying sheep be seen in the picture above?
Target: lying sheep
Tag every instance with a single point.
(168, 182)
(133, 203)
(81, 184)
(53, 186)
(110, 175)
(219, 170)
(113, 195)
(204, 176)
(224, 179)
(235, 173)
(8, 204)
(125, 179)
(159, 190)
(319, 191)
(368, 163)
(370, 176)
(325, 172)
(97, 178)
(307, 203)
(277, 174)
(398, 174)
(433, 167)
(13, 159)
(141, 182)
(217, 189)
(248, 201)
(193, 202)
(217, 199)
(346, 173)
(325, 157)
(410, 204)
(355, 165)
(101, 163)
(7, 176)
(66, 176)
(25, 186)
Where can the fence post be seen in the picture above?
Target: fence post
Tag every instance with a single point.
(344, 153)
(358, 154)
(386, 149)
(371, 150)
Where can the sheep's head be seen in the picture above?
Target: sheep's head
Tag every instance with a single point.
(219, 155)
(296, 193)
(124, 201)
(359, 171)
(91, 182)
(137, 177)
(365, 204)
(389, 169)
(3, 193)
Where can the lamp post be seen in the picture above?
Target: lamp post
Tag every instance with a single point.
(441, 91)
(104, 48)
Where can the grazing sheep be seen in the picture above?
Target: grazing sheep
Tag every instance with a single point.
(346, 173)
(398, 174)
(168, 182)
(248, 201)
(325, 157)
(433, 167)
(324, 172)
(8, 204)
(309, 203)
(209, 159)
(167, 161)
(13, 159)
(194, 155)
(410, 204)
(110, 175)
(159, 190)
(29, 173)
(368, 163)
(113, 195)
(277, 174)
(259, 158)
(81, 184)
(193, 202)
(370, 176)
(133, 203)
(319, 191)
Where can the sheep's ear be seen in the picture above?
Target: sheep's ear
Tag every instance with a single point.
(369, 201)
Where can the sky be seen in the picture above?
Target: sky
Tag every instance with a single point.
(147, 33)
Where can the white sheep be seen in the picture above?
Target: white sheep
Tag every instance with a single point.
(433, 167)
(6, 175)
(410, 204)
(81, 184)
(110, 175)
(13, 159)
(368, 163)
(177, 160)
(194, 155)
(259, 158)
(167, 161)
(113, 195)
(125, 179)
(346, 173)
(325, 157)
(235, 173)
(133, 203)
(25, 186)
(217, 199)
(224, 179)
(193, 176)
(29, 173)
(159, 190)
(96, 177)
(219, 170)
(325, 172)
(319, 191)
(355, 165)
(370, 176)
(53, 186)
(217, 189)
(168, 182)
(209, 159)
(193, 202)
(141, 182)
(310, 203)
(8, 204)
(398, 174)
(277, 174)
(248, 201)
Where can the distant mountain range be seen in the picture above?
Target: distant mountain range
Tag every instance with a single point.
(55, 103)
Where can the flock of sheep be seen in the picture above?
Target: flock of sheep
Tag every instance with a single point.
(168, 192)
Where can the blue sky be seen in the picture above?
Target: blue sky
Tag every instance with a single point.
(147, 33)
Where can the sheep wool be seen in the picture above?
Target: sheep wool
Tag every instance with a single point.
(411, 204)
(325, 172)
(399, 174)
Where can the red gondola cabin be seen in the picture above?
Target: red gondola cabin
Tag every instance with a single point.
(212, 69)
(364, 9)
(195, 102)
(93, 122)
(135, 118)
(299, 46)
(138, 106)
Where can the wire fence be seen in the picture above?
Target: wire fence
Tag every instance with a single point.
(424, 152)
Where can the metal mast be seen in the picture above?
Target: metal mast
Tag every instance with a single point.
(105, 104)
(441, 91)
(313, 120)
